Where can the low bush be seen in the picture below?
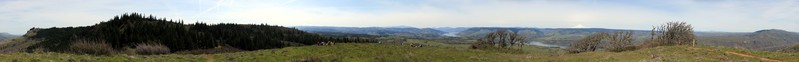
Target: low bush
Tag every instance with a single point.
(590, 43)
(218, 49)
(151, 49)
(482, 45)
(672, 33)
(792, 49)
(650, 43)
(620, 41)
(91, 47)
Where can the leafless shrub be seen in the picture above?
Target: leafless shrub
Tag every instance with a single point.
(218, 49)
(589, 43)
(91, 47)
(649, 43)
(620, 41)
(151, 48)
(673, 33)
(482, 44)
(500, 39)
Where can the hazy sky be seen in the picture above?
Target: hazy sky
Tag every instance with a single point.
(17, 16)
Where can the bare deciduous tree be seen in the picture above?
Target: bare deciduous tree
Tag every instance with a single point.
(500, 38)
(673, 33)
(589, 43)
(620, 41)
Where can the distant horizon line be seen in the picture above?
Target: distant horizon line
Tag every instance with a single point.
(405, 26)
(530, 27)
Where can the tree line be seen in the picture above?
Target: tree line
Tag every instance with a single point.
(672, 33)
(130, 29)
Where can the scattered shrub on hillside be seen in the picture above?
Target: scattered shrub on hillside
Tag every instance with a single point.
(589, 43)
(620, 41)
(500, 39)
(794, 48)
(152, 48)
(649, 43)
(218, 49)
(673, 33)
(90, 47)
(482, 44)
(128, 51)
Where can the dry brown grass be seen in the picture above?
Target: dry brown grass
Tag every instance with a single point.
(91, 47)
(218, 49)
(151, 49)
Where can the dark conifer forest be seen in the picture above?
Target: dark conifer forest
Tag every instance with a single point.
(130, 29)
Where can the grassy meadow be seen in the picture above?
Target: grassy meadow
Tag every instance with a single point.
(433, 51)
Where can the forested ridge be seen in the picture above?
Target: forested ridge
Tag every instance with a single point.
(130, 29)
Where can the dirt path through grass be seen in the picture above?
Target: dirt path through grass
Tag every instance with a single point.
(741, 54)
(208, 58)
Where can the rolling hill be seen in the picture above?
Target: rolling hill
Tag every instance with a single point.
(451, 31)
(4, 36)
(556, 36)
(771, 40)
(376, 31)
(128, 30)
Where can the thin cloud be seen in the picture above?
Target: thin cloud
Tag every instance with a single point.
(218, 3)
(287, 2)
(723, 15)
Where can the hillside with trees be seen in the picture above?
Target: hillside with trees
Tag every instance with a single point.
(770, 39)
(135, 31)
(376, 31)
(555, 36)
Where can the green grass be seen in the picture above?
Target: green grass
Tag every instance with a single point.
(678, 53)
(339, 52)
(371, 52)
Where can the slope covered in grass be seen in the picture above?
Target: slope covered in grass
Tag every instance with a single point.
(339, 52)
(681, 54)
(370, 52)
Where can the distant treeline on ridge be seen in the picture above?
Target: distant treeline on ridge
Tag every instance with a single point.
(131, 29)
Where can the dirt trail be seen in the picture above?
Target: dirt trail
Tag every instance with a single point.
(741, 54)
(209, 58)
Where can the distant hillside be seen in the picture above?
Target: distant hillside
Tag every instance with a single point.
(128, 30)
(771, 39)
(557, 36)
(376, 31)
(794, 48)
(451, 31)
(4, 36)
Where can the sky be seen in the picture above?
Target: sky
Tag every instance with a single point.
(17, 16)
